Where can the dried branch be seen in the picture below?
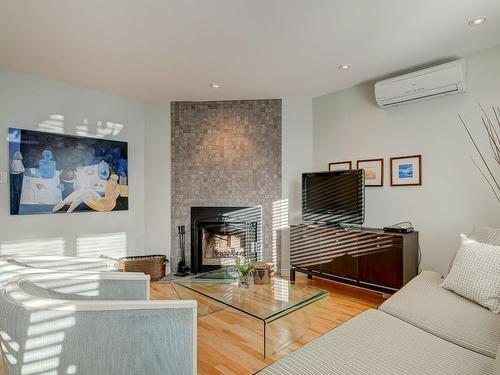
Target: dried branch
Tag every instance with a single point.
(486, 178)
(479, 152)
(494, 141)
(497, 115)
(493, 138)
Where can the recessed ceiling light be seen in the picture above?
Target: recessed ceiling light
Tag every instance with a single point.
(344, 66)
(214, 85)
(477, 21)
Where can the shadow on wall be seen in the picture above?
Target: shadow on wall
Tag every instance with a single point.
(280, 222)
(47, 246)
(113, 245)
(367, 92)
(55, 124)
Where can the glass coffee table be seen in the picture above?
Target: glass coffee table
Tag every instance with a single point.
(279, 312)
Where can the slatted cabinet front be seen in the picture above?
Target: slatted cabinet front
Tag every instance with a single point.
(354, 255)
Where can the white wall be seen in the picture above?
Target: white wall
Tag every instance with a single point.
(297, 157)
(157, 178)
(349, 126)
(26, 101)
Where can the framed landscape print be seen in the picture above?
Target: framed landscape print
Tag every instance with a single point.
(340, 166)
(406, 170)
(57, 173)
(374, 171)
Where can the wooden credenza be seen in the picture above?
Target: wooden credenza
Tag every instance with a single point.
(366, 257)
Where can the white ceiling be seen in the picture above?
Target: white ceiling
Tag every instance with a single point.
(162, 50)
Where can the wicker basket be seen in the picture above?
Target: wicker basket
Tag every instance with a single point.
(152, 265)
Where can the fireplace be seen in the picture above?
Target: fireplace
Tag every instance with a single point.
(220, 235)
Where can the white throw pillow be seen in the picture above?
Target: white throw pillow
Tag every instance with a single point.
(475, 273)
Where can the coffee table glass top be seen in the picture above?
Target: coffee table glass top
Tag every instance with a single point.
(266, 302)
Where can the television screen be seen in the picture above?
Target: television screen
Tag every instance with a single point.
(333, 197)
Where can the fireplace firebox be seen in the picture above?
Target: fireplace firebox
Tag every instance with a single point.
(220, 235)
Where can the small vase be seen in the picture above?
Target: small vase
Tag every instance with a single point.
(245, 282)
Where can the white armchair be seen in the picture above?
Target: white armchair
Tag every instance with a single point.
(100, 323)
(11, 266)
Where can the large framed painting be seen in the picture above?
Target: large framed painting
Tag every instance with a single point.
(58, 173)
(406, 170)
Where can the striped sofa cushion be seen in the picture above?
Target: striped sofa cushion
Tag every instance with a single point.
(497, 363)
(426, 305)
(486, 235)
(376, 343)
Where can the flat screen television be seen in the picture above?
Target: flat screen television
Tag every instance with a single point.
(334, 198)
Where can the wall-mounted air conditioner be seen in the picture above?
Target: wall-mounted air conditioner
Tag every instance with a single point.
(445, 79)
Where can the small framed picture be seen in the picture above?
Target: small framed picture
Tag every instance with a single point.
(406, 170)
(340, 166)
(374, 171)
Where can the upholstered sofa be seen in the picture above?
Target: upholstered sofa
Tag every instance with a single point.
(423, 329)
(93, 323)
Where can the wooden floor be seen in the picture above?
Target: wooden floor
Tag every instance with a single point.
(224, 346)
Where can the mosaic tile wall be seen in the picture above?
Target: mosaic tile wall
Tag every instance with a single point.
(225, 153)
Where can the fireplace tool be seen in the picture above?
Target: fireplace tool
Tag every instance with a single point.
(182, 269)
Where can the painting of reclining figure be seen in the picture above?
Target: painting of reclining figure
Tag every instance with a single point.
(57, 173)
